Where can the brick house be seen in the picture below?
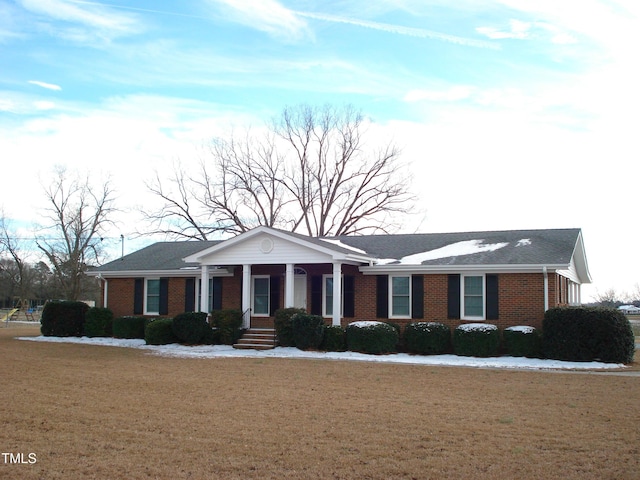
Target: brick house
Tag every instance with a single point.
(501, 277)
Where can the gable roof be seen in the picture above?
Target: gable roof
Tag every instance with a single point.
(557, 249)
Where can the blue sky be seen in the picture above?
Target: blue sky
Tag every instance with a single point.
(513, 114)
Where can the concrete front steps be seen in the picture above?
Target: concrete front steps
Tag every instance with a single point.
(257, 339)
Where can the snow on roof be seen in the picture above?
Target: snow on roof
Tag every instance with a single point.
(466, 247)
(338, 243)
(523, 242)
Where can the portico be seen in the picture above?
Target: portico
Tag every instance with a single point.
(267, 250)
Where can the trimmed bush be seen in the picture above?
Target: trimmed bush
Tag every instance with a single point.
(584, 334)
(190, 327)
(333, 339)
(476, 340)
(160, 332)
(284, 330)
(427, 338)
(63, 319)
(308, 331)
(371, 337)
(98, 322)
(522, 341)
(228, 324)
(129, 327)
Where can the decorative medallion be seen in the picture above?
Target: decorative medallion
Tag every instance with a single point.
(266, 245)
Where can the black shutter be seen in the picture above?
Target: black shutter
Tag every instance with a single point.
(382, 296)
(138, 296)
(453, 297)
(417, 296)
(316, 295)
(492, 297)
(349, 299)
(164, 296)
(217, 293)
(274, 292)
(190, 295)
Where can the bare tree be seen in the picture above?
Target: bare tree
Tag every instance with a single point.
(78, 214)
(17, 269)
(310, 171)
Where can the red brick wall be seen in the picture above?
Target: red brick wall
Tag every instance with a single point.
(120, 296)
(521, 295)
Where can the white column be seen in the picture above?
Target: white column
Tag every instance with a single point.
(337, 293)
(289, 286)
(246, 296)
(204, 289)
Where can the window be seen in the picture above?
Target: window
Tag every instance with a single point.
(473, 297)
(153, 296)
(400, 297)
(327, 304)
(261, 296)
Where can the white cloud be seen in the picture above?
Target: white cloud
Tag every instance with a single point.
(401, 30)
(268, 16)
(451, 94)
(48, 86)
(93, 18)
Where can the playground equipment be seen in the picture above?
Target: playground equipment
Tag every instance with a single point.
(7, 316)
(21, 307)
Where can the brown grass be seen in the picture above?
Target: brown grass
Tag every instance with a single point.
(101, 412)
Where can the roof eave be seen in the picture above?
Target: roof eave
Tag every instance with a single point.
(432, 269)
(182, 272)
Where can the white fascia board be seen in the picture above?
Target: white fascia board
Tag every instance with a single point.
(335, 255)
(220, 272)
(579, 259)
(431, 269)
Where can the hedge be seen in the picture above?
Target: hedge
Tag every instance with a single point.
(63, 319)
(334, 339)
(427, 338)
(284, 330)
(98, 322)
(129, 327)
(190, 327)
(160, 332)
(522, 341)
(583, 334)
(228, 323)
(371, 337)
(307, 330)
(476, 340)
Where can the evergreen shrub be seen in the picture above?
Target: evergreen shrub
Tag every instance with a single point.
(98, 322)
(284, 329)
(160, 332)
(333, 339)
(308, 330)
(583, 334)
(371, 337)
(63, 319)
(476, 340)
(190, 327)
(522, 341)
(427, 338)
(228, 324)
(129, 327)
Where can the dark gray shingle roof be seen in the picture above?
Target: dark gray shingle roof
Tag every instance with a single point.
(516, 247)
(158, 256)
(523, 247)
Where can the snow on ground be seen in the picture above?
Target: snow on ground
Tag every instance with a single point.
(224, 351)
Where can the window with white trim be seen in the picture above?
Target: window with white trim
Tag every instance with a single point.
(261, 295)
(473, 297)
(327, 295)
(152, 296)
(400, 296)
